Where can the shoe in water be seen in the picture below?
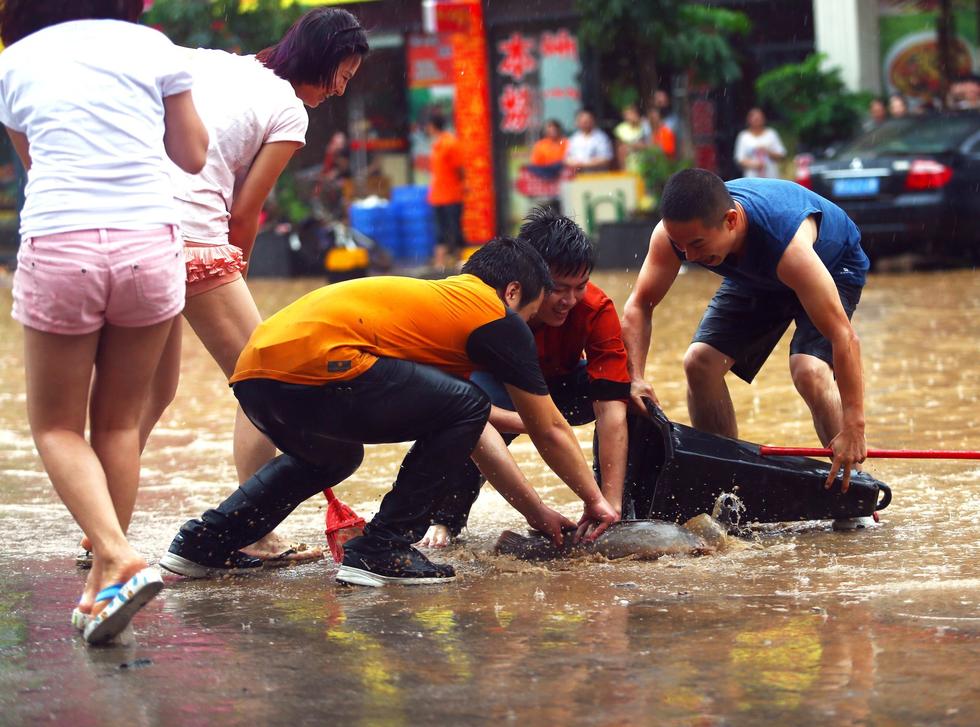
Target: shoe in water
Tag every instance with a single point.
(192, 561)
(404, 566)
(854, 523)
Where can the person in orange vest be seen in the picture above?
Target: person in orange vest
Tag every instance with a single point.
(549, 150)
(445, 190)
(660, 134)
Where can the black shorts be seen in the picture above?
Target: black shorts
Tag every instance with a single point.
(747, 325)
(449, 229)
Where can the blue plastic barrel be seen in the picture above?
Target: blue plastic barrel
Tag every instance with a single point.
(380, 222)
(416, 221)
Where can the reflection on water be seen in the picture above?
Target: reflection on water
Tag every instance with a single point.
(800, 626)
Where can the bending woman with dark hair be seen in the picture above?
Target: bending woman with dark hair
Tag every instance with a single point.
(253, 107)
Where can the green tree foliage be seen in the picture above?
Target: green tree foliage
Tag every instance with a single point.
(701, 43)
(813, 100)
(222, 23)
(656, 168)
(645, 34)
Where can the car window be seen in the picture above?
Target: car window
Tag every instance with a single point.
(924, 135)
(974, 145)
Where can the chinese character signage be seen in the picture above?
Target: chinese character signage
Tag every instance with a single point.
(541, 80)
(473, 127)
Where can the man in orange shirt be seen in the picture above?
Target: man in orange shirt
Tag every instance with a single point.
(386, 359)
(446, 189)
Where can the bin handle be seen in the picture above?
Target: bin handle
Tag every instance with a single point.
(886, 500)
(654, 411)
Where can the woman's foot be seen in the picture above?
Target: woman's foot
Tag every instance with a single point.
(276, 550)
(106, 574)
(117, 604)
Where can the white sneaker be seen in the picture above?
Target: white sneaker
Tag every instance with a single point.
(854, 523)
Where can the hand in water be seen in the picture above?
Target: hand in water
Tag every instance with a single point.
(596, 517)
(437, 536)
(850, 448)
(550, 522)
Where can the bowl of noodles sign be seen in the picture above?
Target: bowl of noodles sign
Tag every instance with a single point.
(912, 64)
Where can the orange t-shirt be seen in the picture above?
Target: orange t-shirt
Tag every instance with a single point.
(548, 151)
(337, 332)
(445, 164)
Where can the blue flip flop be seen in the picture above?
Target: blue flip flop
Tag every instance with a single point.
(125, 599)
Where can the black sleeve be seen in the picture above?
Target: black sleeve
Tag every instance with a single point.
(606, 390)
(505, 347)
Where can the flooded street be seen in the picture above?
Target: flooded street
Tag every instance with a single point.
(800, 625)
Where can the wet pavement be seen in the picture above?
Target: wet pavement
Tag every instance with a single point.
(800, 625)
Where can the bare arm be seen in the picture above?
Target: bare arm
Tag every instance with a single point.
(21, 146)
(555, 441)
(595, 164)
(657, 274)
(184, 136)
(498, 466)
(251, 195)
(505, 420)
(802, 270)
(610, 422)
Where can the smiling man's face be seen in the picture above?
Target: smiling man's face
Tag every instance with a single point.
(701, 243)
(569, 290)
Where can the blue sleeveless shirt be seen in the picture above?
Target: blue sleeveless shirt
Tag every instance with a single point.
(775, 209)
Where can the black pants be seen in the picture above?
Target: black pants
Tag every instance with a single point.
(321, 430)
(570, 394)
(449, 225)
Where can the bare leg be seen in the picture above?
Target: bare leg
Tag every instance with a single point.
(163, 387)
(124, 368)
(708, 401)
(224, 319)
(814, 379)
(99, 494)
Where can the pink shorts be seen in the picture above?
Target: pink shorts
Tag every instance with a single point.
(75, 282)
(211, 266)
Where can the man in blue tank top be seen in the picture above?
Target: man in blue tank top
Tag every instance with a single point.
(786, 254)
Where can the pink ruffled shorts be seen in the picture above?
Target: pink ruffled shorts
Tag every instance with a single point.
(211, 266)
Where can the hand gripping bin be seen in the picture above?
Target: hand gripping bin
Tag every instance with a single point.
(675, 472)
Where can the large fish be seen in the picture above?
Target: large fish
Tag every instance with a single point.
(640, 539)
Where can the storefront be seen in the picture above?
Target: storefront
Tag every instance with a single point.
(531, 70)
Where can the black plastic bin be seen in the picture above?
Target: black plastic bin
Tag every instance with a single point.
(675, 472)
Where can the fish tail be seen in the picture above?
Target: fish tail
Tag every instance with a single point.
(510, 543)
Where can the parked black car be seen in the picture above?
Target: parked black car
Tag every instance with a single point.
(911, 185)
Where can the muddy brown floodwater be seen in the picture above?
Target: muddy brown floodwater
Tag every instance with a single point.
(801, 626)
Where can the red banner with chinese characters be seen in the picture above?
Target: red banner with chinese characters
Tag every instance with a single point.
(472, 113)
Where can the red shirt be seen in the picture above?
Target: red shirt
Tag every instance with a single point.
(592, 328)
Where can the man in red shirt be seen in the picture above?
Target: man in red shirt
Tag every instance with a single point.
(445, 189)
(583, 359)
